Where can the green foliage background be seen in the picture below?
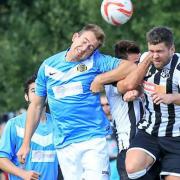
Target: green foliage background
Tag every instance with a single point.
(32, 30)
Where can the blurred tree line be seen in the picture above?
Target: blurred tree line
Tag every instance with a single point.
(32, 30)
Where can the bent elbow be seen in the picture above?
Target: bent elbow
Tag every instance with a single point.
(124, 86)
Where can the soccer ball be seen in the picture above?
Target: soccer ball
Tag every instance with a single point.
(116, 12)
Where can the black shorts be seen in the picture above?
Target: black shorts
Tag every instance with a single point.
(167, 149)
(121, 165)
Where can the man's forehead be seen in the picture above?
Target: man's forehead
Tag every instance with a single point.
(104, 99)
(90, 36)
(162, 44)
(32, 85)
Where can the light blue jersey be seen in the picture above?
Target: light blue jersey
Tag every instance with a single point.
(42, 157)
(76, 110)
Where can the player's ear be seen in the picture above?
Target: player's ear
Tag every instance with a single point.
(26, 97)
(172, 49)
(75, 35)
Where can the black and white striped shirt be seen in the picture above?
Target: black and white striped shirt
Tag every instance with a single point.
(163, 119)
(125, 116)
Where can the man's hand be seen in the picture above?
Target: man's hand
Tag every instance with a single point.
(22, 153)
(96, 86)
(147, 56)
(30, 175)
(161, 98)
(131, 95)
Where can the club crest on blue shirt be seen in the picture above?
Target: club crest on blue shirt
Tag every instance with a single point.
(165, 73)
(81, 67)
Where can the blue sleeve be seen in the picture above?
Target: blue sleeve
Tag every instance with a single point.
(41, 81)
(106, 63)
(8, 141)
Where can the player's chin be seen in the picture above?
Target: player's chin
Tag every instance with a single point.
(158, 65)
(83, 57)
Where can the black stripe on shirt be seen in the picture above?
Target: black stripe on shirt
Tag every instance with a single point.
(151, 71)
(132, 118)
(157, 108)
(171, 109)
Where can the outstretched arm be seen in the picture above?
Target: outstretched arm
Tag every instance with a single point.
(124, 68)
(7, 166)
(33, 117)
(135, 78)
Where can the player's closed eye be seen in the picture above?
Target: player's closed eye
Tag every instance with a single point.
(89, 47)
(107, 104)
(33, 90)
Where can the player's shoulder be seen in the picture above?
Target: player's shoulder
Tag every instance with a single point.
(99, 55)
(56, 57)
(19, 119)
(178, 63)
(14, 122)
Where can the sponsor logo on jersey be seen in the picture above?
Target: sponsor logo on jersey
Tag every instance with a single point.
(69, 89)
(153, 88)
(43, 155)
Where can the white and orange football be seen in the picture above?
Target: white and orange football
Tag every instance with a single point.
(116, 12)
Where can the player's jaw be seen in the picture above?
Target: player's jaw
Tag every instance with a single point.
(161, 61)
(76, 54)
(80, 53)
(158, 64)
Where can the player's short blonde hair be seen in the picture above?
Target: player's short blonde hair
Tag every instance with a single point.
(97, 30)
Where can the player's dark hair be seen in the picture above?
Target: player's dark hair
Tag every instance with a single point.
(160, 35)
(29, 81)
(98, 32)
(4, 118)
(125, 47)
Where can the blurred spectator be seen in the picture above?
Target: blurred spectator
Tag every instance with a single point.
(111, 141)
(3, 121)
(42, 161)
